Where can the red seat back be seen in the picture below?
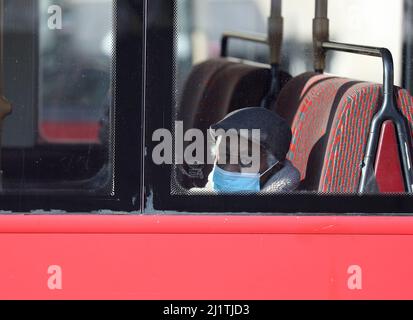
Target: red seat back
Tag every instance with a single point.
(331, 122)
(388, 160)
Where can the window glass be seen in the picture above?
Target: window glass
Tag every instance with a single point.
(58, 76)
(314, 133)
(199, 38)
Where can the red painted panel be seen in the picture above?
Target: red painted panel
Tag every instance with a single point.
(204, 257)
(388, 165)
(69, 132)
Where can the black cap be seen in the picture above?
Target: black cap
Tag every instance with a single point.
(275, 132)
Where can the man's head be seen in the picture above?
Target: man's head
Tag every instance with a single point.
(251, 140)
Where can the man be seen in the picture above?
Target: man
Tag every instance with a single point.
(256, 161)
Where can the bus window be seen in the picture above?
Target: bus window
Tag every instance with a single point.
(60, 75)
(315, 125)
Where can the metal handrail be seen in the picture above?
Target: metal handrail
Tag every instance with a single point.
(388, 110)
(257, 38)
(273, 40)
(385, 54)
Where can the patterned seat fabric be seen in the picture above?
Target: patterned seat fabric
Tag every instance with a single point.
(331, 120)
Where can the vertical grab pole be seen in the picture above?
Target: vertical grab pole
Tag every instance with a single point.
(275, 39)
(321, 34)
(275, 31)
(5, 106)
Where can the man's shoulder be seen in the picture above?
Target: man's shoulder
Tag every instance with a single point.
(286, 180)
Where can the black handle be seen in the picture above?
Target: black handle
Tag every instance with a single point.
(273, 39)
(385, 54)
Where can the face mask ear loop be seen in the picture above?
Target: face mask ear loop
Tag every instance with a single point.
(263, 177)
(270, 169)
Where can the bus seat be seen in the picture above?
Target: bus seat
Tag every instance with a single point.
(307, 102)
(331, 121)
(236, 86)
(214, 89)
(351, 125)
(195, 86)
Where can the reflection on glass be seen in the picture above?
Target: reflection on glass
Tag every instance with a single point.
(59, 67)
(75, 70)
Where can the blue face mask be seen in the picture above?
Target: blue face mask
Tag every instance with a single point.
(234, 182)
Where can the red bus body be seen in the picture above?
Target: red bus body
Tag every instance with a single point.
(174, 257)
(206, 257)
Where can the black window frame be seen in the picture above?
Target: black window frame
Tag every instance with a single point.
(128, 93)
(159, 106)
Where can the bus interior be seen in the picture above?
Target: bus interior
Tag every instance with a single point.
(350, 114)
(339, 73)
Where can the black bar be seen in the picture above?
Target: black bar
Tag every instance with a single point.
(321, 33)
(385, 54)
(275, 87)
(240, 36)
(352, 48)
(202, 309)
